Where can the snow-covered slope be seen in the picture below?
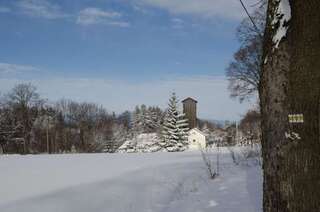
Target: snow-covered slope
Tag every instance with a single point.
(126, 182)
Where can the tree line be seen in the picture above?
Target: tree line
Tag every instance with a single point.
(31, 124)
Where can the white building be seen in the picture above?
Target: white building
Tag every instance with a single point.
(196, 139)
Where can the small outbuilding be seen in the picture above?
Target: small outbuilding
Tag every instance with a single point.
(196, 139)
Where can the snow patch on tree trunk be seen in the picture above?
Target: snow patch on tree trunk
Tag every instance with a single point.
(281, 18)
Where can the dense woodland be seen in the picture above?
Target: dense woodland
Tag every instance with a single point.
(29, 124)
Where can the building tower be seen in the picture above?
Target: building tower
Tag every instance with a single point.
(190, 110)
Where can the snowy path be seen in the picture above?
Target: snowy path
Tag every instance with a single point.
(129, 182)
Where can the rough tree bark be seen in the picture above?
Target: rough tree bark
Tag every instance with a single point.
(291, 85)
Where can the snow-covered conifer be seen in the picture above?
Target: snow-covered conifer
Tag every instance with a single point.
(136, 123)
(145, 120)
(174, 129)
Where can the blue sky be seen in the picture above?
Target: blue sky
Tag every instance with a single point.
(132, 43)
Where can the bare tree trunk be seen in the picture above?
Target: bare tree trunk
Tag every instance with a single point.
(291, 85)
(47, 135)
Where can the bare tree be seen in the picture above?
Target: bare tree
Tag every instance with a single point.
(244, 71)
(25, 102)
(84, 125)
(250, 126)
(206, 155)
(43, 129)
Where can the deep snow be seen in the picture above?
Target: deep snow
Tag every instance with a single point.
(142, 182)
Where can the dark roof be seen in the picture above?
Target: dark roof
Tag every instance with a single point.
(189, 98)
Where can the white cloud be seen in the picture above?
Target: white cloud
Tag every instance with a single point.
(230, 9)
(211, 93)
(87, 16)
(140, 9)
(7, 69)
(5, 10)
(41, 8)
(93, 16)
(177, 23)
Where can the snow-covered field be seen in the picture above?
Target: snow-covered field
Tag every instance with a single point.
(145, 182)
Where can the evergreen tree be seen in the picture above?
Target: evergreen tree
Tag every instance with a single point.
(146, 120)
(175, 131)
(136, 123)
(153, 119)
